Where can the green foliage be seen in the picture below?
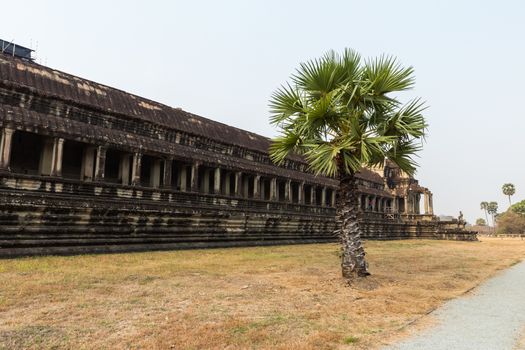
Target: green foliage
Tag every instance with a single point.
(508, 190)
(480, 222)
(484, 205)
(511, 223)
(492, 208)
(350, 340)
(338, 112)
(519, 208)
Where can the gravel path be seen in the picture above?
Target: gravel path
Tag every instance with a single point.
(491, 317)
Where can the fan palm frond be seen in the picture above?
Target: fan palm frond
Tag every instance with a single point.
(340, 107)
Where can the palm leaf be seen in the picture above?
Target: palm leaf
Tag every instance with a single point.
(338, 107)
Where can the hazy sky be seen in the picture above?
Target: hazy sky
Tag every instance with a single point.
(223, 59)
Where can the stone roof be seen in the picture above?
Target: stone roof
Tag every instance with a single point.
(70, 88)
(369, 175)
(53, 84)
(415, 187)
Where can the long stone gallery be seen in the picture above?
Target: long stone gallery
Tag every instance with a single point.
(89, 168)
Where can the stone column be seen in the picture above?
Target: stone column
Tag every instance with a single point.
(135, 169)
(217, 181)
(334, 193)
(288, 191)
(273, 189)
(406, 204)
(394, 205)
(5, 147)
(100, 163)
(155, 173)
(51, 157)
(312, 196)
(379, 201)
(359, 202)
(238, 184)
(124, 167)
(367, 203)
(301, 193)
(257, 187)
(430, 203)
(323, 197)
(194, 177)
(167, 173)
(58, 153)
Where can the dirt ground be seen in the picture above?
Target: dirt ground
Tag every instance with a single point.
(283, 297)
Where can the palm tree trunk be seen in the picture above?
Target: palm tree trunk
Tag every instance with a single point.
(510, 203)
(353, 261)
(487, 218)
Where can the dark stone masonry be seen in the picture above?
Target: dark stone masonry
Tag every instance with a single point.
(89, 168)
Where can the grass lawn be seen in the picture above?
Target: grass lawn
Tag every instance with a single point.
(285, 297)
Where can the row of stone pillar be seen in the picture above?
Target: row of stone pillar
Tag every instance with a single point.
(377, 203)
(412, 203)
(94, 161)
(51, 154)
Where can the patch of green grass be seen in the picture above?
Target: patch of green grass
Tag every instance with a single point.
(350, 340)
(268, 322)
(239, 330)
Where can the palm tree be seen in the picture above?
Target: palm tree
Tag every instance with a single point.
(485, 206)
(508, 190)
(492, 208)
(338, 112)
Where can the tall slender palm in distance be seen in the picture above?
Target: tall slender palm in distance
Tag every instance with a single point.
(485, 206)
(508, 190)
(492, 208)
(342, 113)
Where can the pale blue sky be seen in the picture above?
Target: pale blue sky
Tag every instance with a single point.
(223, 59)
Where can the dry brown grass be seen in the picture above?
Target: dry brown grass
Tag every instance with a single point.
(286, 297)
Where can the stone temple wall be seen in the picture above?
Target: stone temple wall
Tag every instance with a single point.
(49, 216)
(57, 217)
(88, 168)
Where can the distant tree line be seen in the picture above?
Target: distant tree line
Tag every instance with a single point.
(491, 208)
(512, 221)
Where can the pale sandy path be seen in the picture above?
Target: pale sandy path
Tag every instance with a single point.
(491, 317)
